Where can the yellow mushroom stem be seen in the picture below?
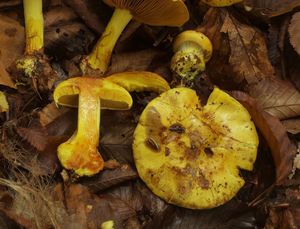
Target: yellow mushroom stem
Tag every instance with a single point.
(82, 148)
(100, 56)
(221, 3)
(188, 60)
(34, 25)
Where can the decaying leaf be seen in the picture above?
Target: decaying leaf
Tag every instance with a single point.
(50, 112)
(89, 211)
(5, 78)
(283, 151)
(294, 32)
(136, 61)
(109, 178)
(248, 55)
(12, 40)
(277, 97)
(292, 125)
(272, 8)
(36, 137)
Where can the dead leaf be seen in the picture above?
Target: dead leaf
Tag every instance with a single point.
(88, 211)
(87, 10)
(134, 61)
(5, 78)
(292, 125)
(12, 41)
(38, 138)
(50, 112)
(294, 32)
(117, 129)
(271, 8)
(240, 54)
(277, 97)
(283, 151)
(58, 15)
(249, 55)
(109, 178)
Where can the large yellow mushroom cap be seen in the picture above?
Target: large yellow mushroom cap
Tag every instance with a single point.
(190, 155)
(155, 12)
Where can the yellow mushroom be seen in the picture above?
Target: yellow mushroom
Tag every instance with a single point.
(80, 152)
(156, 12)
(221, 3)
(190, 155)
(192, 50)
(34, 27)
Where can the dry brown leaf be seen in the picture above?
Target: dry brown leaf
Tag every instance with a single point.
(50, 112)
(134, 61)
(109, 178)
(88, 211)
(294, 32)
(272, 8)
(249, 55)
(292, 125)
(38, 138)
(5, 78)
(283, 151)
(12, 40)
(277, 97)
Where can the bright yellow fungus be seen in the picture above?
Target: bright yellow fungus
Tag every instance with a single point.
(159, 13)
(190, 155)
(192, 49)
(80, 152)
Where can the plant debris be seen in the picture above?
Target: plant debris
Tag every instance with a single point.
(255, 59)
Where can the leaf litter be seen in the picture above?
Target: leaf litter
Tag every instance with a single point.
(32, 193)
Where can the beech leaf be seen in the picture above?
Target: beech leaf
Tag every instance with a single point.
(249, 56)
(283, 151)
(292, 125)
(277, 97)
(109, 178)
(294, 32)
(272, 8)
(38, 138)
(50, 112)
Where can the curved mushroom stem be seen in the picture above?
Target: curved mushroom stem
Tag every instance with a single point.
(80, 152)
(100, 57)
(34, 24)
(188, 61)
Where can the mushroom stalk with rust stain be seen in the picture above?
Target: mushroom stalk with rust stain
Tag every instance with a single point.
(189, 154)
(157, 13)
(90, 95)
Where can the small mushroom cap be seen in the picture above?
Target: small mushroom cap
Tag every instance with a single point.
(195, 37)
(154, 12)
(221, 3)
(112, 95)
(190, 155)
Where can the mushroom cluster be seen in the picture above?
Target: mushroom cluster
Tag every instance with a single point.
(154, 12)
(190, 155)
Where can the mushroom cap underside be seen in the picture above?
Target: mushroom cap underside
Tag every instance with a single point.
(190, 155)
(197, 38)
(154, 12)
(111, 95)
